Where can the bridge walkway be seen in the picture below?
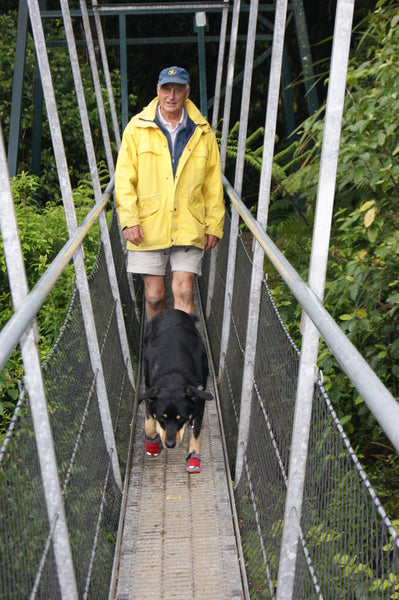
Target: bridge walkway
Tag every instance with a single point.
(179, 532)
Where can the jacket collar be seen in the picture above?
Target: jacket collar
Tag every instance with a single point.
(149, 113)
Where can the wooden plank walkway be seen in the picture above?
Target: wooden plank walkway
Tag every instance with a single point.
(178, 539)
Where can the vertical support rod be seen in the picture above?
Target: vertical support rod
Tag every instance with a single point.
(215, 114)
(306, 57)
(97, 87)
(123, 63)
(239, 174)
(263, 207)
(234, 214)
(17, 87)
(288, 101)
(317, 275)
(67, 197)
(104, 60)
(200, 23)
(84, 117)
(229, 82)
(37, 124)
(35, 388)
(219, 69)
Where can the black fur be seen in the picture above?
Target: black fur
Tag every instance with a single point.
(176, 372)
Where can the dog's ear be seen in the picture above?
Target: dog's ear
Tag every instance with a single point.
(151, 394)
(194, 393)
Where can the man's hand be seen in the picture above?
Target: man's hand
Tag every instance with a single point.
(134, 234)
(210, 241)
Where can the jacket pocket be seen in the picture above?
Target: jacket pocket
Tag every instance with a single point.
(149, 205)
(196, 207)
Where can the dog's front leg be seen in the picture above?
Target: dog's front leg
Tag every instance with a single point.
(193, 463)
(195, 442)
(149, 426)
(153, 445)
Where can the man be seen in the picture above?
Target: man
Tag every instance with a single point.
(169, 193)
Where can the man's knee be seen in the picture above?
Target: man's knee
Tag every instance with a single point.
(155, 301)
(154, 290)
(183, 291)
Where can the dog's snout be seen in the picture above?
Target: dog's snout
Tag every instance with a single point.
(170, 443)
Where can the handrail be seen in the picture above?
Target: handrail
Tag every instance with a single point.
(21, 319)
(377, 397)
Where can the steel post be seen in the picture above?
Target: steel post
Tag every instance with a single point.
(200, 25)
(123, 66)
(104, 60)
(35, 387)
(263, 207)
(67, 197)
(95, 178)
(234, 214)
(317, 274)
(17, 87)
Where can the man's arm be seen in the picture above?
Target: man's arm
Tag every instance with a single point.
(125, 184)
(213, 196)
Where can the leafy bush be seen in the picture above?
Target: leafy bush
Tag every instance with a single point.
(43, 233)
(362, 289)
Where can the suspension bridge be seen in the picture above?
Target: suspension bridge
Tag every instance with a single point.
(282, 507)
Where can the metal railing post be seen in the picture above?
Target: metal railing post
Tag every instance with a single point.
(97, 87)
(104, 60)
(215, 114)
(263, 207)
(200, 26)
(81, 277)
(318, 266)
(234, 215)
(96, 181)
(219, 70)
(17, 87)
(35, 388)
(305, 55)
(123, 67)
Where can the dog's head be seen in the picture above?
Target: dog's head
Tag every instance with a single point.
(172, 410)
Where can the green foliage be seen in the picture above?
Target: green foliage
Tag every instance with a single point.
(362, 289)
(43, 233)
(68, 110)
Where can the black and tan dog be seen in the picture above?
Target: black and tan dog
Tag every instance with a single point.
(176, 371)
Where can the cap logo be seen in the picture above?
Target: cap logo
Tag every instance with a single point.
(172, 72)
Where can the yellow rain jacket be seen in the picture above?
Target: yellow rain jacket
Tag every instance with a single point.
(172, 211)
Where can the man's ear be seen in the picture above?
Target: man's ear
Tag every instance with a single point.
(195, 394)
(151, 394)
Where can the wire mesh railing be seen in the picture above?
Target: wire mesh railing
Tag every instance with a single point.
(348, 546)
(91, 497)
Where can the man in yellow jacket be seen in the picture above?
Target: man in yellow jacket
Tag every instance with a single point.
(169, 193)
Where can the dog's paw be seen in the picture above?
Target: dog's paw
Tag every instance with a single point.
(153, 446)
(193, 463)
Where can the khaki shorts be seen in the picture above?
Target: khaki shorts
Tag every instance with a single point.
(154, 262)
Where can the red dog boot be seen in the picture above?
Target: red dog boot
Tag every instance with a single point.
(193, 463)
(153, 446)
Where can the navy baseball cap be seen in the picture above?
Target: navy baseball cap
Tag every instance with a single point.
(173, 75)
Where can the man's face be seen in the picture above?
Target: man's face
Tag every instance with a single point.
(172, 96)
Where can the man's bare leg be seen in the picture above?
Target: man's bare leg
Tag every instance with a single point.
(155, 293)
(183, 291)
